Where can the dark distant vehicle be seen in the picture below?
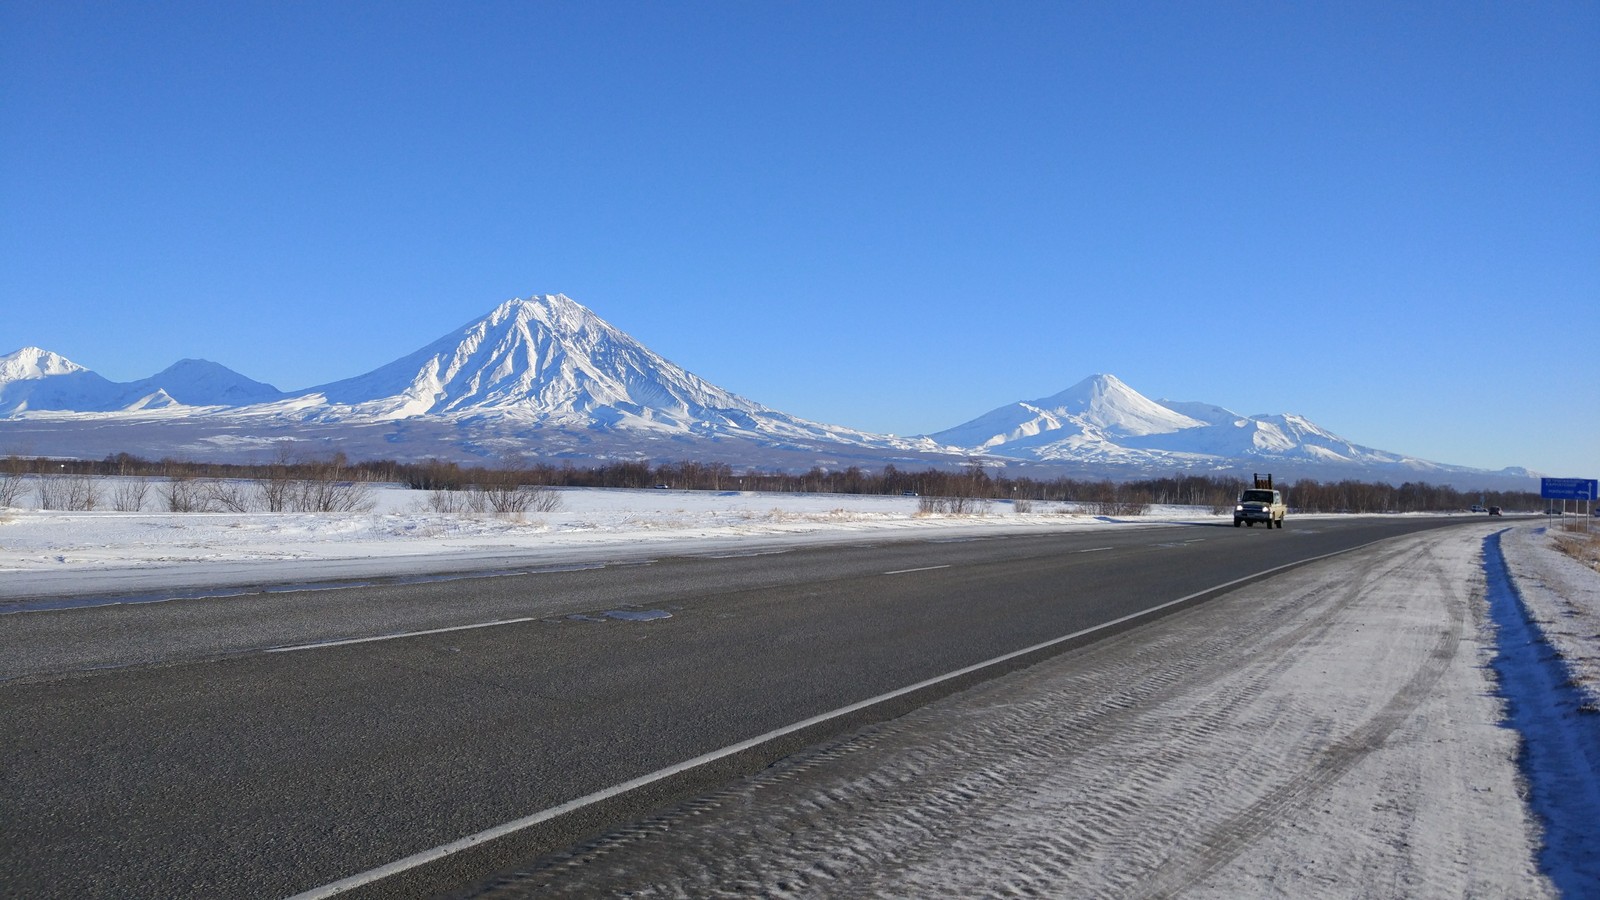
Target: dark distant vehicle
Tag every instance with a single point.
(1494, 510)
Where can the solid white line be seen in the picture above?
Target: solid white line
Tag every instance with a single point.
(499, 831)
(923, 569)
(391, 637)
(1092, 550)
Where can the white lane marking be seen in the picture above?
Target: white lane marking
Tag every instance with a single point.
(742, 554)
(390, 637)
(499, 831)
(1093, 550)
(923, 569)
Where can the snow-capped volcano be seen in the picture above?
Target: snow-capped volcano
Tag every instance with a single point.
(35, 380)
(32, 363)
(32, 379)
(1100, 407)
(201, 382)
(546, 358)
(546, 378)
(1102, 423)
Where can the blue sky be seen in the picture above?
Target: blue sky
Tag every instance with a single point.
(894, 216)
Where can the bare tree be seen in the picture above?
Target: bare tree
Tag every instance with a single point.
(319, 495)
(68, 492)
(233, 495)
(183, 493)
(128, 493)
(12, 485)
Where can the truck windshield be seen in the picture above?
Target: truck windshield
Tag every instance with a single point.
(1257, 497)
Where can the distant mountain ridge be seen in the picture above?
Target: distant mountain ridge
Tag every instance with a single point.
(1103, 419)
(545, 377)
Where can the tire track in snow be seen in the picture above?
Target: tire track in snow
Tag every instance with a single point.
(1337, 759)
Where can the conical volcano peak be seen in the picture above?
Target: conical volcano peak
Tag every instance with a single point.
(35, 362)
(557, 311)
(545, 357)
(1107, 403)
(1098, 408)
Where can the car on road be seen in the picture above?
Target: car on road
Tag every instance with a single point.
(1259, 505)
(1494, 510)
(1477, 508)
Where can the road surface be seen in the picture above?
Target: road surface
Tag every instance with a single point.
(267, 745)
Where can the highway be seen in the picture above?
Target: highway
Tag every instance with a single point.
(272, 744)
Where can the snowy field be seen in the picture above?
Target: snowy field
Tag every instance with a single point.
(45, 553)
(1257, 750)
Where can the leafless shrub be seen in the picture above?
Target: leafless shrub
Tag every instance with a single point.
(456, 503)
(318, 495)
(503, 498)
(1023, 505)
(232, 495)
(275, 493)
(12, 486)
(183, 494)
(520, 499)
(500, 499)
(1120, 508)
(952, 506)
(128, 493)
(68, 492)
(545, 499)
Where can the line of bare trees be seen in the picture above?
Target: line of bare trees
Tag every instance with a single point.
(324, 486)
(336, 484)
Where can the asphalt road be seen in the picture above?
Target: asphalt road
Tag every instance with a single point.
(265, 745)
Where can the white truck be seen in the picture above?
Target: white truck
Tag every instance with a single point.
(1261, 503)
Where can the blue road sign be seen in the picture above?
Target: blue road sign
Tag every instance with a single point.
(1569, 488)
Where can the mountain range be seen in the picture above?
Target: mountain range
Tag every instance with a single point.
(545, 378)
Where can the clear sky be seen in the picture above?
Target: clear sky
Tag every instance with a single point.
(889, 215)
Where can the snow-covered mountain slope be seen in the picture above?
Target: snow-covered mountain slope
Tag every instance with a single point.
(32, 363)
(1099, 408)
(35, 380)
(546, 378)
(545, 368)
(549, 361)
(545, 358)
(32, 379)
(201, 382)
(1102, 422)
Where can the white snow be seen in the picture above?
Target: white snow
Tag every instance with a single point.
(31, 363)
(1563, 596)
(48, 552)
(1331, 732)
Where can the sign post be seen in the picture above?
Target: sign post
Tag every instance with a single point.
(1586, 490)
